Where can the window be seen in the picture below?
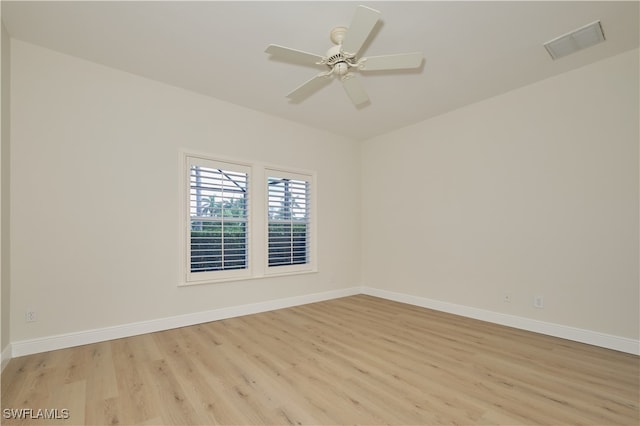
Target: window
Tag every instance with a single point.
(218, 219)
(245, 221)
(289, 221)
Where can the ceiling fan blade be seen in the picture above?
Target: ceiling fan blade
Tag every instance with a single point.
(354, 89)
(392, 62)
(309, 87)
(361, 26)
(293, 55)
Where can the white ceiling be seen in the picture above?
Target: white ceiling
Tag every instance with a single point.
(473, 50)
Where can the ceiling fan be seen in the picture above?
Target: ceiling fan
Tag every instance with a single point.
(343, 58)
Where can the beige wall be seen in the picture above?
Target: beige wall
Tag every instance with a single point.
(534, 192)
(5, 287)
(95, 195)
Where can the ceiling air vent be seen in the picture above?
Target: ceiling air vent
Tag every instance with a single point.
(576, 40)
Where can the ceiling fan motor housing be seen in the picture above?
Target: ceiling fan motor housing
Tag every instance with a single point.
(338, 61)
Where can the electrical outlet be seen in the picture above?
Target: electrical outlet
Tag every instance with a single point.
(538, 302)
(31, 316)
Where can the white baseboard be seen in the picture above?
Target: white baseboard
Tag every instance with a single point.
(609, 341)
(5, 357)
(61, 341)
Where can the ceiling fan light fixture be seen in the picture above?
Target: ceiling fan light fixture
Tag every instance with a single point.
(581, 38)
(341, 68)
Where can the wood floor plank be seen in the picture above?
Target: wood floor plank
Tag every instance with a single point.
(355, 360)
(137, 396)
(101, 379)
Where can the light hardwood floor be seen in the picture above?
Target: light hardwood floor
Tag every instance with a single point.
(356, 360)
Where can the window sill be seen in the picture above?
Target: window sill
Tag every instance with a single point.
(247, 278)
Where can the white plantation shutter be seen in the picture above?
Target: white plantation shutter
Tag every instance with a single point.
(244, 220)
(289, 221)
(218, 211)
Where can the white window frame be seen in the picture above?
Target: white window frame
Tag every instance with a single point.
(310, 264)
(257, 221)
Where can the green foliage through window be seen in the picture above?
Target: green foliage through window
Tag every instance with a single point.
(218, 215)
(288, 221)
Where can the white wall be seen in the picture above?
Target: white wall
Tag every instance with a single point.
(5, 306)
(95, 195)
(534, 192)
